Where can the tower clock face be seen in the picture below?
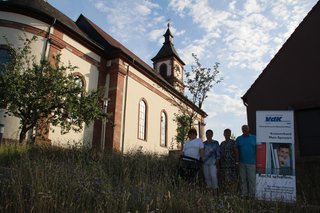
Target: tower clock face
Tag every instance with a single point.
(178, 72)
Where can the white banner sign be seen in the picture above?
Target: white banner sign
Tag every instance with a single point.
(275, 179)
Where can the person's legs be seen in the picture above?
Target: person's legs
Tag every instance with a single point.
(214, 179)
(210, 174)
(206, 173)
(243, 180)
(251, 179)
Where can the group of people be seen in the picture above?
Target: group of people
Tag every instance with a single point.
(223, 163)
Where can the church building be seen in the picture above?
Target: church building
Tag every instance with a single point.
(139, 97)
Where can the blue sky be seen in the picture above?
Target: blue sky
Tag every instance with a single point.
(242, 35)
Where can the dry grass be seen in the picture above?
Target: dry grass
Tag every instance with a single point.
(50, 179)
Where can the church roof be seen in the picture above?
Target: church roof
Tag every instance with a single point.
(45, 11)
(167, 50)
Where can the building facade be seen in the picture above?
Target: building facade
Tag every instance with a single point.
(139, 97)
(291, 82)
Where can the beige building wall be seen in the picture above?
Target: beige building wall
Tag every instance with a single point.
(142, 88)
(87, 70)
(11, 35)
(90, 74)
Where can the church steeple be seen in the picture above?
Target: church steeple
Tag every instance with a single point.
(168, 63)
(167, 50)
(168, 37)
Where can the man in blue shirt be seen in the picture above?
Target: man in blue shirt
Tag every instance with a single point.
(247, 167)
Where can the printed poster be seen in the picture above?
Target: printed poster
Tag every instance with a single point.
(275, 160)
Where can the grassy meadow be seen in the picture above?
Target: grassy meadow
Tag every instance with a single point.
(51, 179)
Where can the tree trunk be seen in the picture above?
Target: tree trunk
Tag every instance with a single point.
(23, 135)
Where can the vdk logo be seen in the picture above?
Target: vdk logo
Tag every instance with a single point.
(273, 119)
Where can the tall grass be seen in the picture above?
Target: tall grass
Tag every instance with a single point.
(50, 179)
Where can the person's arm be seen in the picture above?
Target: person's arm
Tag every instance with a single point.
(182, 150)
(201, 151)
(218, 153)
(236, 153)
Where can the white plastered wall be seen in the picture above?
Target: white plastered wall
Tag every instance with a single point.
(155, 105)
(11, 128)
(89, 72)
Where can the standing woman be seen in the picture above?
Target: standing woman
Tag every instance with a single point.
(211, 162)
(229, 161)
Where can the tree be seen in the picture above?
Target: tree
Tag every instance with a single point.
(199, 81)
(43, 93)
(184, 124)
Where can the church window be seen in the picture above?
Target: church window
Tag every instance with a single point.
(80, 81)
(6, 56)
(163, 70)
(142, 126)
(163, 129)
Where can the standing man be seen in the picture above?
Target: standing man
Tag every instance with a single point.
(247, 167)
(211, 162)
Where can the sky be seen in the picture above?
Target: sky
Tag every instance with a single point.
(241, 35)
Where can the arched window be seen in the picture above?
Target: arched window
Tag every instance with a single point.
(163, 129)
(142, 120)
(80, 81)
(6, 56)
(163, 70)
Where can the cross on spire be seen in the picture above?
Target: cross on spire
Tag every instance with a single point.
(168, 20)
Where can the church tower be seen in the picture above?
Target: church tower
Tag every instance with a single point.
(168, 63)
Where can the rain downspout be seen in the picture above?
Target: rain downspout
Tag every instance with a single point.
(125, 108)
(47, 41)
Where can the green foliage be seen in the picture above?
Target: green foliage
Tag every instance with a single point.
(184, 124)
(200, 80)
(42, 93)
(51, 179)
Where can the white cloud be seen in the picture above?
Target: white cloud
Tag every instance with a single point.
(207, 17)
(223, 103)
(129, 20)
(101, 6)
(232, 5)
(155, 34)
(179, 33)
(142, 10)
(186, 52)
(180, 5)
(252, 6)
